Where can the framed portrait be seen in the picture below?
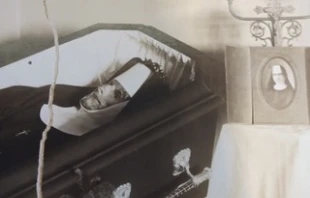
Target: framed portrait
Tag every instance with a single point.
(277, 86)
(277, 83)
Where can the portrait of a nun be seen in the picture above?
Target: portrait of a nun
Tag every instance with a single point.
(277, 88)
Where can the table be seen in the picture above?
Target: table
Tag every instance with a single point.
(261, 161)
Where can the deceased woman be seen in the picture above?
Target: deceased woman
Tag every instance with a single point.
(100, 82)
(77, 110)
(104, 103)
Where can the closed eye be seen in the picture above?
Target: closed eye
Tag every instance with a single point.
(97, 99)
(100, 91)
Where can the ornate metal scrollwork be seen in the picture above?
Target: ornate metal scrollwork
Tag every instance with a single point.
(274, 21)
(181, 161)
(258, 31)
(294, 30)
(181, 164)
(123, 191)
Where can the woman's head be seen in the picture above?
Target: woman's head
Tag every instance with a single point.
(104, 96)
(277, 77)
(279, 74)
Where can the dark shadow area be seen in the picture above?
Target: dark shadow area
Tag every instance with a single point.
(223, 26)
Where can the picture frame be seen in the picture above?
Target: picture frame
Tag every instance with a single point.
(169, 114)
(275, 85)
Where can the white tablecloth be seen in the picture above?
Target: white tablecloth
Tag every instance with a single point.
(261, 161)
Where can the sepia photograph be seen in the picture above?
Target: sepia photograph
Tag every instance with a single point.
(278, 83)
(154, 99)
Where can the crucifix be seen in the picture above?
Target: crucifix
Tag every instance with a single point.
(274, 21)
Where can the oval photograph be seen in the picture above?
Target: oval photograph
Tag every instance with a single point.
(278, 83)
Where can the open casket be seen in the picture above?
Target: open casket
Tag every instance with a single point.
(153, 145)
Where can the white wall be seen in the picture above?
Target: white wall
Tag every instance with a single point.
(204, 24)
(9, 20)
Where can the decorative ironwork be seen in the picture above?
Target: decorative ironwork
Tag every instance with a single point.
(181, 164)
(270, 29)
(181, 161)
(293, 29)
(258, 31)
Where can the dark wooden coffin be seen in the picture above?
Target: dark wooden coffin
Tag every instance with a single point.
(139, 153)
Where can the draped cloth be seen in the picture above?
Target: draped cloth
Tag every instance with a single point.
(261, 161)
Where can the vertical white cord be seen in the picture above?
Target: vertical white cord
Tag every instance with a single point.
(50, 106)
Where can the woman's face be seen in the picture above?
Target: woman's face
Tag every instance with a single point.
(278, 76)
(104, 96)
